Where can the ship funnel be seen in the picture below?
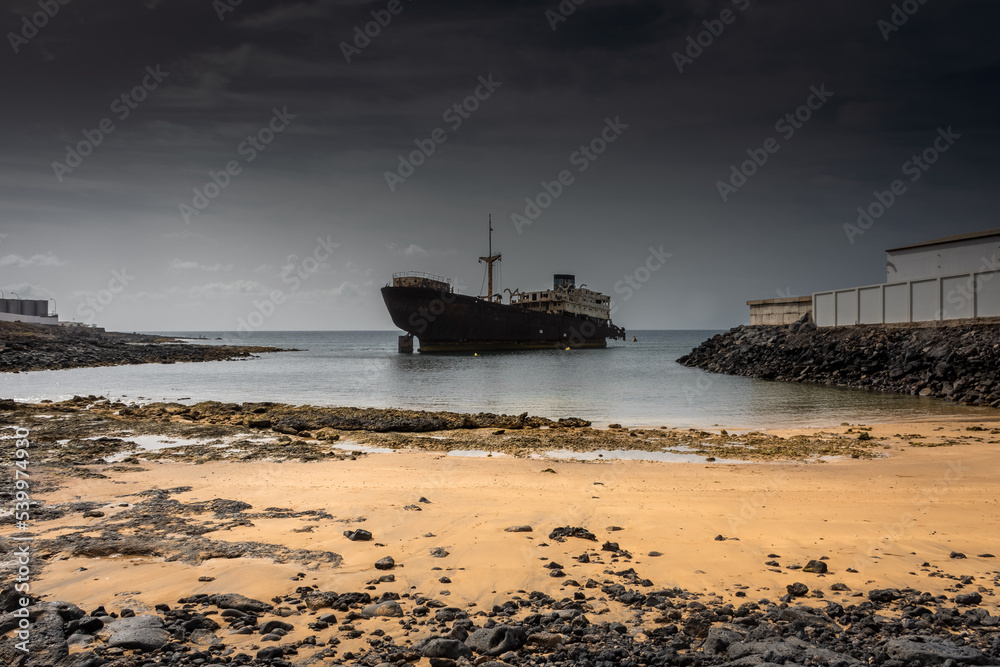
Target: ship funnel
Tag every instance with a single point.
(567, 280)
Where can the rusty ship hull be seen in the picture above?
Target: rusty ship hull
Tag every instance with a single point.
(444, 321)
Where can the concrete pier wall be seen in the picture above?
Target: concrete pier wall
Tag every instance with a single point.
(779, 311)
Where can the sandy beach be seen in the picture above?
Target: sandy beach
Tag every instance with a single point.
(727, 533)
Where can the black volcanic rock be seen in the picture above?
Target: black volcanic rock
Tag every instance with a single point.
(496, 640)
(359, 535)
(797, 589)
(692, 633)
(817, 566)
(33, 347)
(561, 533)
(960, 363)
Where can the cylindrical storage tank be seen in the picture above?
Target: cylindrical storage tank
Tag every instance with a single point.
(5, 305)
(19, 307)
(41, 307)
(566, 280)
(27, 307)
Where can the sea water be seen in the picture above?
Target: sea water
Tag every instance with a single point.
(635, 384)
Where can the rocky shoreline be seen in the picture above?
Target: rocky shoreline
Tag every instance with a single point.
(35, 347)
(959, 363)
(83, 433)
(668, 626)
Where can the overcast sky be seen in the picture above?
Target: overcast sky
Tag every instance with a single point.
(98, 208)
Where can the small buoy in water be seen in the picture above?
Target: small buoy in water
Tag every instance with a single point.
(475, 354)
(567, 349)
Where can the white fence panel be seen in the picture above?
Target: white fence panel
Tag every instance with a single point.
(897, 303)
(847, 307)
(870, 305)
(823, 310)
(925, 300)
(958, 297)
(988, 294)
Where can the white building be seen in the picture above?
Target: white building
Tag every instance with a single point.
(30, 311)
(951, 278)
(949, 256)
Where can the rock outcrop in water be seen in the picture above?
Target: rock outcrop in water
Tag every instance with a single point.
(960, 363)
(36, 347)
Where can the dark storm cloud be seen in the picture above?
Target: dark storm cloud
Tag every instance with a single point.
(353, 120)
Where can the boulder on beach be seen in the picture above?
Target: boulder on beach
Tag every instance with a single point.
(496, 640)
(359, 535)
(815, 566)
(561, 533)
(144, 633)
(518, 529)
(389, 608)
(238, 602)
(921, 650)
(797, 589)
(441, 647)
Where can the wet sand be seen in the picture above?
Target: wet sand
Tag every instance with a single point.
(895, 519)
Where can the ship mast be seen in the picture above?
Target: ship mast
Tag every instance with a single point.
(489, 266)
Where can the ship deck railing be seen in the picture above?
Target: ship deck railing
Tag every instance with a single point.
(421, 274)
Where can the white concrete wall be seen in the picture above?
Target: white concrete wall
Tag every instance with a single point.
(825, 309)
(896, 303)
(779, 311)
(870, 305)
(29, 319)
(957, 303)
(847, 307)
(950, 259)
(988, 294)
(970, 295)
(924, 304)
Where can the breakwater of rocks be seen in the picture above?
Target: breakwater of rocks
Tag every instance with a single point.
(960, 363)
